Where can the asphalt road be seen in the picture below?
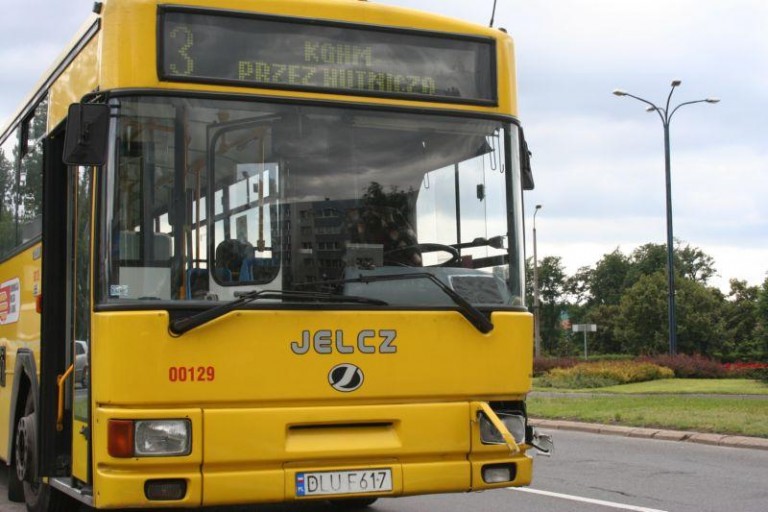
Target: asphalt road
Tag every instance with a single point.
(591, 473)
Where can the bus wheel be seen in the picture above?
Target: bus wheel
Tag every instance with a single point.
(352, 503)
(38, 496)
(15, 487)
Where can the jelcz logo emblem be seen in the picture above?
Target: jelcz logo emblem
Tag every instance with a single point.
(345, 377)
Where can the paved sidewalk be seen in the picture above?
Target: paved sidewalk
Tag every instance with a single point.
(758, 443)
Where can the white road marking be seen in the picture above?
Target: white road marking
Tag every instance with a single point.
(571, 497)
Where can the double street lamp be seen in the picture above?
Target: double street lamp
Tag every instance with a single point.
(665, 114)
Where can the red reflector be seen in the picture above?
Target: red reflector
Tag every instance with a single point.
(39, 303)
(120, 438)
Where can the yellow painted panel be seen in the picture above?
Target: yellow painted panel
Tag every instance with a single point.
(245, 358)
(224, 487)
(81, 77)
(126, 489)
(240, 436)
(80, 449)
(433, 477)
(339, 440)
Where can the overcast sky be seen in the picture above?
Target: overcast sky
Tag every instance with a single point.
(598, 159)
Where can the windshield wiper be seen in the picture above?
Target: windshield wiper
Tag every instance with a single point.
(182, 325)
(468, 311)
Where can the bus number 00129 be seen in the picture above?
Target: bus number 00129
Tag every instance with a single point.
(191, 373)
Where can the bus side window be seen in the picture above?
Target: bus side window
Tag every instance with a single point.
(30, 214)
(130, 249)
(9, 149)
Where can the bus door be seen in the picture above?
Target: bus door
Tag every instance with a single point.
(65, 338)
(79, 316)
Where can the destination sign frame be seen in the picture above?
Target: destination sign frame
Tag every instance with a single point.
(208, 46)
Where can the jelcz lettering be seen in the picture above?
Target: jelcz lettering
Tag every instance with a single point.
(327, 341)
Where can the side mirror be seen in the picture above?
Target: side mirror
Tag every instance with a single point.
(525, 157)
(543, 443)
(85, 142)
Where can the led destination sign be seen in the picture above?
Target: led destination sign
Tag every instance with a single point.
(290, 54)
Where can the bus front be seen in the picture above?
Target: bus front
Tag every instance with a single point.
(308, 258)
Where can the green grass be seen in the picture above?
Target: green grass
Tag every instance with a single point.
(678, 386)
(667, 403)
(748, 417)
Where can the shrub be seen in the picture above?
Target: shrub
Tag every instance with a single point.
(747, 370)
(689, 367)
(611, 357)
(542, 365)
(604, 373)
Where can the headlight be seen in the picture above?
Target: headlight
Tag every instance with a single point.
(515, 423)
(162, 438)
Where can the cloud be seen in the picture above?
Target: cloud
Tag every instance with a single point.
(32, 34)
(598, 159)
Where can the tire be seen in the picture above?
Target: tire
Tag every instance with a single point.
(39, 497)
(15, 486)
(352, 503)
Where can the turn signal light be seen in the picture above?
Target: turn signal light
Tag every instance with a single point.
(120, 438)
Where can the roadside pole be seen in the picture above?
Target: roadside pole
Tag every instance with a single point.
(585, 328)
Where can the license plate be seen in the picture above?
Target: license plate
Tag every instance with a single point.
(319, 483)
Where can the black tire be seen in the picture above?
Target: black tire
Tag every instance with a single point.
(15, 487)
(352, 503)
(39, 497)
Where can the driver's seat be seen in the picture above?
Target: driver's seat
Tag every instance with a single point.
(388, 227)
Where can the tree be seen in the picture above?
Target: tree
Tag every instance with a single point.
(598, 291)
(627, 297)
(646, 260)
(761, 329)
(642, 316)
(642, 326)
(699, 323)
(552, 287)
(608, 280)
(692, 263)
(740, 321)
(605, 339)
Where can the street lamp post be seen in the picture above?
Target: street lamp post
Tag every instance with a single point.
(666, 117)
(536, 320)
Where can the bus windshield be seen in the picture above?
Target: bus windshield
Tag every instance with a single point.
(209, 199)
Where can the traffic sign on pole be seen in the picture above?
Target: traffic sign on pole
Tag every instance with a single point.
(585, 328)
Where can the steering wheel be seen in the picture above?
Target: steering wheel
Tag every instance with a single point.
(429, 247)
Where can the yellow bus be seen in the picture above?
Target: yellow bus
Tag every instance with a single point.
(262, 252)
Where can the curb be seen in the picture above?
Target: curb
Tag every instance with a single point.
(757, 443)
